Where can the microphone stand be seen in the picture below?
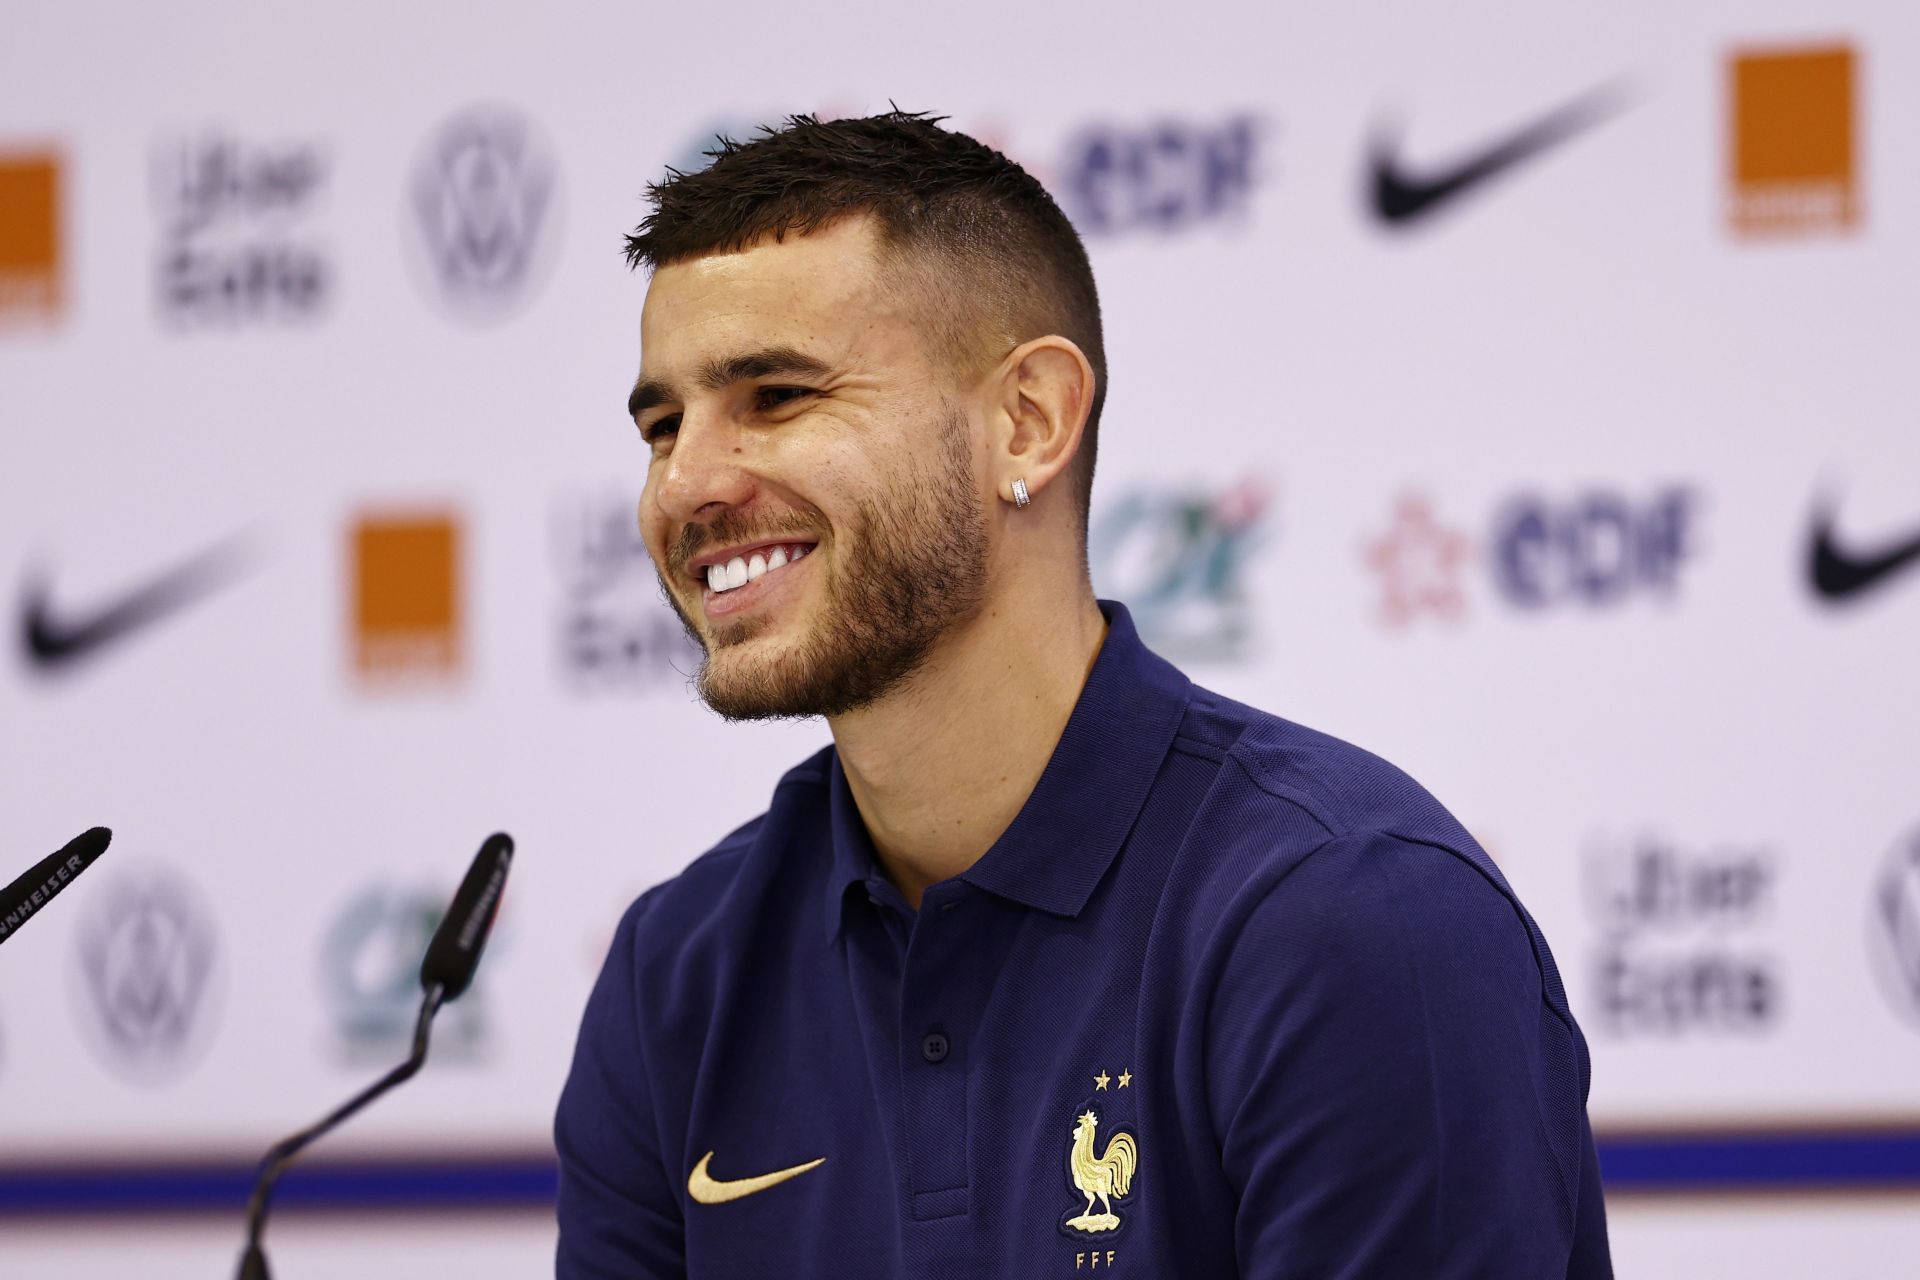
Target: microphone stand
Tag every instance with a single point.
(253, 1262)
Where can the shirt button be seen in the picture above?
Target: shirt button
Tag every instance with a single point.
(934, 1047)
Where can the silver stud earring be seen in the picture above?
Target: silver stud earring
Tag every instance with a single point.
(1020, 498)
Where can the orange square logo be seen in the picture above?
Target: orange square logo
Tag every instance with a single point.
(30, 277)
(1793, 163)
(406, 595)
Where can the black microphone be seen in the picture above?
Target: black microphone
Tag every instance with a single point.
(454, 953)
(445, 973)
(23, 899)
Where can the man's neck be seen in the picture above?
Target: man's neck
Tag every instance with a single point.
(940, 769)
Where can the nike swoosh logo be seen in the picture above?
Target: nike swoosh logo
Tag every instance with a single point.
(1840, 574)
(56, 640)
(1401, 198)
(709, 1190)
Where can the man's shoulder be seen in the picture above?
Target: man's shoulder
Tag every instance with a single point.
(1370, 861)
(1342, 788)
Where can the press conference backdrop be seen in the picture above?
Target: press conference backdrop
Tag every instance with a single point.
(1522, 394)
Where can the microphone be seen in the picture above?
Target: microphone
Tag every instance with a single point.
(24, 898)
(454, 953)
(445, 973)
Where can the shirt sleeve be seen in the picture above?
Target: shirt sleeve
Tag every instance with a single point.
(1397, 1085)
(620, 1216)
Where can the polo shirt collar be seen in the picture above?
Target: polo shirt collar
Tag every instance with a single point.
(1096, 782)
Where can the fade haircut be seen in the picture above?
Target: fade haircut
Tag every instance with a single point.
(995, 259)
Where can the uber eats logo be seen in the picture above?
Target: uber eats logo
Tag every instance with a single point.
(237, 243)
(1684, 936)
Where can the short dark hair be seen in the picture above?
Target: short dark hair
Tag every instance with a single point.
(1012, 266)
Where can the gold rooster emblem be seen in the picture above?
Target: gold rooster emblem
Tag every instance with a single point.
(1103, 1177)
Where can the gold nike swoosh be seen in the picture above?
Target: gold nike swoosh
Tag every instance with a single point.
(710, 1190)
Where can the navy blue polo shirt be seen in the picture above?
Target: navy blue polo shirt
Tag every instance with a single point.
(1228, 998)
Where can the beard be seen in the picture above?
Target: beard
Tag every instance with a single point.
(910, 567)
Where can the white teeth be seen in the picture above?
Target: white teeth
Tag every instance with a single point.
(739, 571)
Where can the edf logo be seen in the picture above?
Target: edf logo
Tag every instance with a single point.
(1597, 549)
(1167, 176)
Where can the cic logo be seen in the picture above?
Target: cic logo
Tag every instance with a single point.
(1178, 558)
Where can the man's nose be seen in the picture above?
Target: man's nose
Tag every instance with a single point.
(707, 468)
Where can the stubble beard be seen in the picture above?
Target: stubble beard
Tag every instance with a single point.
(909, 568)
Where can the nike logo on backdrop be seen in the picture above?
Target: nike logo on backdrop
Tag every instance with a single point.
(1401, 198)
(56, 639)
(1839, 573)
(708, 1190)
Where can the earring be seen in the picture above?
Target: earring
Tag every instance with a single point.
(1020, 498)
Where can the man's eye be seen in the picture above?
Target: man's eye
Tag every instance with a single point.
(660, 428)
(775, 397)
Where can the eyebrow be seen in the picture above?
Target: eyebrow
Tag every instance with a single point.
(722, 371)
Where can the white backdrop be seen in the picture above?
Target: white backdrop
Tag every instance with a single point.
(1519, 491)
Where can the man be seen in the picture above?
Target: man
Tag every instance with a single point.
(1053, 963)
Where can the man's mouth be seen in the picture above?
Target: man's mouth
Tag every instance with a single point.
(738, 571)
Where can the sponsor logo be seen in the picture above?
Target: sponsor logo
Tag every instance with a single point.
(56, 640)
(405, 596)
(1403, 197)
(1839, 572)
(148, 963)
(1683, 937)
(484, 199)
(1792, 165)
(32, 284)
(236, 246)
(1595, 550)
(1894, 929)
(1177, 558)
(1172, 175)
(1420, 562)
(707, 1189)
(615, 631)
(370, 968)
(1103, 1167)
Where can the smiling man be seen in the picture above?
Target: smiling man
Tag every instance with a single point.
(1053, 962)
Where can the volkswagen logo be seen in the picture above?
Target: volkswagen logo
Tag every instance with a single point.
(147, 957)
(484, 200)
(1894, 928)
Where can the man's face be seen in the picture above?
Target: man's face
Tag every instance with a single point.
(814, 502)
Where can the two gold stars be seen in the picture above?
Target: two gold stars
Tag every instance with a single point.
(1100, 1081)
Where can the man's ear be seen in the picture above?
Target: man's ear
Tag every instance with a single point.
(1046, 390)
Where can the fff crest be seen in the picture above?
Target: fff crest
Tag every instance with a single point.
(1102, 1168)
